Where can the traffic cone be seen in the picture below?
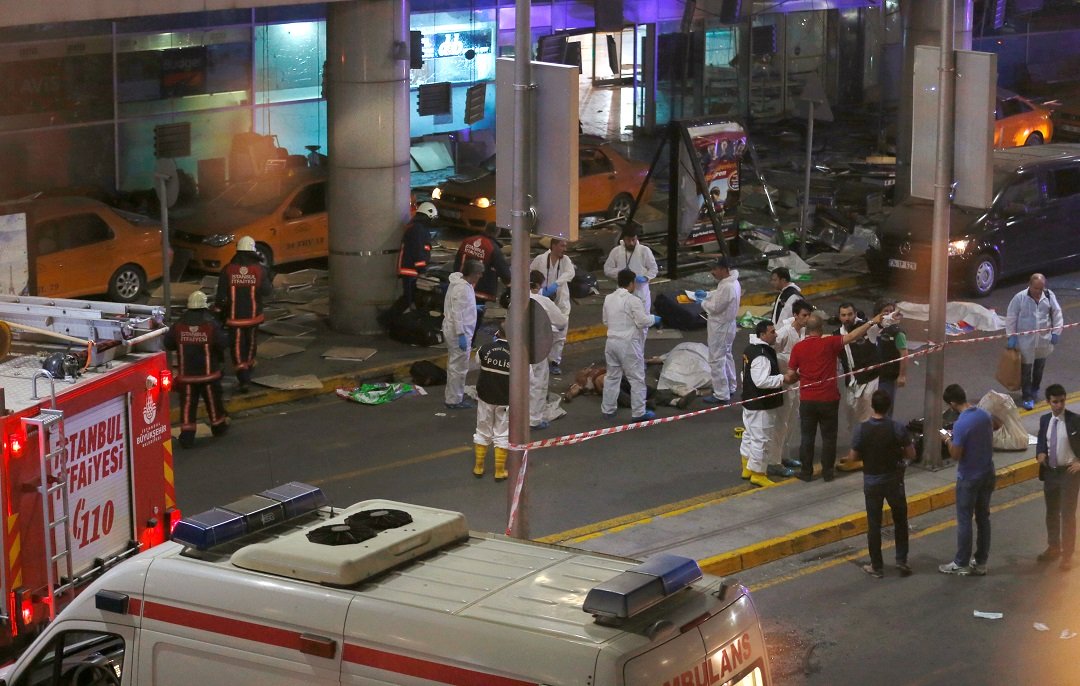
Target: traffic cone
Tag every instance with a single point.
(480, 451)
(500, 463)
(759, 479)
(745, 470)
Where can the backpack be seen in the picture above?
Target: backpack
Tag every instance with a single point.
(583, 285)
(676, 315)
(416, 328)
(427, 373)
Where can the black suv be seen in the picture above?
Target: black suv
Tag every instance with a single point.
(1031, 224)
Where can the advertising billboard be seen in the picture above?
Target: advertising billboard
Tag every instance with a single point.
(710, 162)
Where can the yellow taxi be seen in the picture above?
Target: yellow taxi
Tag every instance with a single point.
(79, 246)
(1018, 121)
(284, 212)
(607, 184)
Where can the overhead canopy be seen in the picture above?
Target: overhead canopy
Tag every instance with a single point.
(22, 12)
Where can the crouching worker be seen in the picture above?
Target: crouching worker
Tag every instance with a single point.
(199, 341)
(493, 408)
(762, 383)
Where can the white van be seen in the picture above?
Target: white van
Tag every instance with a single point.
(277, 588)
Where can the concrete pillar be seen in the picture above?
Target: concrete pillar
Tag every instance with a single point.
(922, 26)
(368, 141)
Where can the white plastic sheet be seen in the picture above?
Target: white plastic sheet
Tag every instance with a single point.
(686, 369)
(974, 316)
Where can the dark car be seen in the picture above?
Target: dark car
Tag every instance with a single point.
(1031, 224)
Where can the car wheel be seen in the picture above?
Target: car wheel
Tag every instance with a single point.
(266, 255)
(982, 276)
(620, 206)
(127, 283)
(1034, 139)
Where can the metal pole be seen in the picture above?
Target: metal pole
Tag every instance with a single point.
(939, 256)
(166, 286)
(519, 266)
(806, 187)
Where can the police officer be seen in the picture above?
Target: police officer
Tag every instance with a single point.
(493, 408)
(762, 383)
(242, 286)
(200, 344)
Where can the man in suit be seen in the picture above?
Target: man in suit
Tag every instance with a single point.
(1059, 470)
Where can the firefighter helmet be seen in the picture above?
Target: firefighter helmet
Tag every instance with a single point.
(197, 301)
(246, 243)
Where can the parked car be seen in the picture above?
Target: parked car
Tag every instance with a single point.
(1066, 118)
(79, 247)
(1018, 121)
(607, 184)
(1030, 225)
(284, 212)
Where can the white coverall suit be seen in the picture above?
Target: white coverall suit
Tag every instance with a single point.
(759, 425)
(722, 307)
(540, 373)
(624, 352)
(561, 274)
(787, 415)
(640, 260)
(459, 317)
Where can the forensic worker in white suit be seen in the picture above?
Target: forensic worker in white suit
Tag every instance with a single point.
(721, 306)
(558, 272)
(624, 352)
(459, 325)
(540, 372)
(631, 254)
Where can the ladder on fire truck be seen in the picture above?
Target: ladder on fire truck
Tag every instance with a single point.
(55, 507)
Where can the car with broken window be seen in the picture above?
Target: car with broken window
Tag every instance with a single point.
(1029, 226)
(283, 211)
(608, 183)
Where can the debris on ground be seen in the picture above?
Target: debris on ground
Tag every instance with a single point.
(378, 393)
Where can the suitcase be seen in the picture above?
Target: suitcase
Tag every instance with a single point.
(676, 315)
(416, 328)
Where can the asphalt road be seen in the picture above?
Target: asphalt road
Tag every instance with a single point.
(827, 622)
(415, 450)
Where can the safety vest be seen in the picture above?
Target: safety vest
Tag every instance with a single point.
(751, 394)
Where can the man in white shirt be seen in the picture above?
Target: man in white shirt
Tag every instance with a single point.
(722, 308)
(459, 325)
(631, 254)
(1034, 308)
(539, 373)
(788, 334)
(558, 272)
(624, 352)
(1059, 469)
(761, 379)
(787, 294)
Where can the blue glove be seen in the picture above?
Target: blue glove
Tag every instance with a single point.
(1054, 338)
(700, 295)
(642, 279)
(1011, 345)
(656, 320)
(463, 341)
(549, 291)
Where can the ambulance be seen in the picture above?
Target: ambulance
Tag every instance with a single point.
(280, 588)
(86, 475)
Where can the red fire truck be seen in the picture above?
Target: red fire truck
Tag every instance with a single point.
(86, 475)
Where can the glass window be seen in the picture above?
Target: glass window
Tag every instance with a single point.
(311, 199)
(77, 658)
(595, 162)
(458, 47)
(289, 61)
(76, 231)
(1066, 182)
(1024, 192)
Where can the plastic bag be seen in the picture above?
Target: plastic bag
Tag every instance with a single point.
(376, 393)
(1008, 369)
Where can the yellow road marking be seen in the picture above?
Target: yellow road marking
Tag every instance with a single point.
(437, 455)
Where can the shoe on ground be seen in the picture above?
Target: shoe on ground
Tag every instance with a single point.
(649, 414)
(953, 568)
(539, 427)
(977, 569)
(608, 415)
(759, 479)
(827, 476)
(1065, 564)
(555, 369)
(904, 569)
(779, 470)
(713, 400)
(849, 465)
(1029, 404)
(790, 463)
(683, 402)
(1048, 555)
(803, 476)
(465, 404)
(873, 571)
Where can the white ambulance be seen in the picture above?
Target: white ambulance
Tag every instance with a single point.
(278, 588)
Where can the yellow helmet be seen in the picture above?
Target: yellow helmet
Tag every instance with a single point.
(246, 243)
(196, 301)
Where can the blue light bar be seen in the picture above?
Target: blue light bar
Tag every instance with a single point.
(271, 507)
(639, 588)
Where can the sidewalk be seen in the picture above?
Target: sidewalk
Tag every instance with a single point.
(755, 526)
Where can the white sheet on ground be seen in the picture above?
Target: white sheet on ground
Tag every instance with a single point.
(686, 369)
(978, 317)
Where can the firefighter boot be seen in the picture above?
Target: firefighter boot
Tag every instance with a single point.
(480, 451)
(500, 464)
(187, 438)
(759, 479)
(745, 470)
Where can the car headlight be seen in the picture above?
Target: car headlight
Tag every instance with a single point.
(436, 194)
(483, 202)
(958, 247)
(219, 239)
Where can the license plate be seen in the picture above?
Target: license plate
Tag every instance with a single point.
(902, 264)
(451, 214)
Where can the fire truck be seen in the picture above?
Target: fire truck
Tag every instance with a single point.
(86, 477)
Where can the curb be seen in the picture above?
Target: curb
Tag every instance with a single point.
(763, 552)
(261, 399)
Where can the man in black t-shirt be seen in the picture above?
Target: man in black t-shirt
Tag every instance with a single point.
(884, 446)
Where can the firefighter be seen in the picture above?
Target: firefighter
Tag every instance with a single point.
(493, 409)
(413, 256)
(484, 248)
(243, 285)
(199, 341)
